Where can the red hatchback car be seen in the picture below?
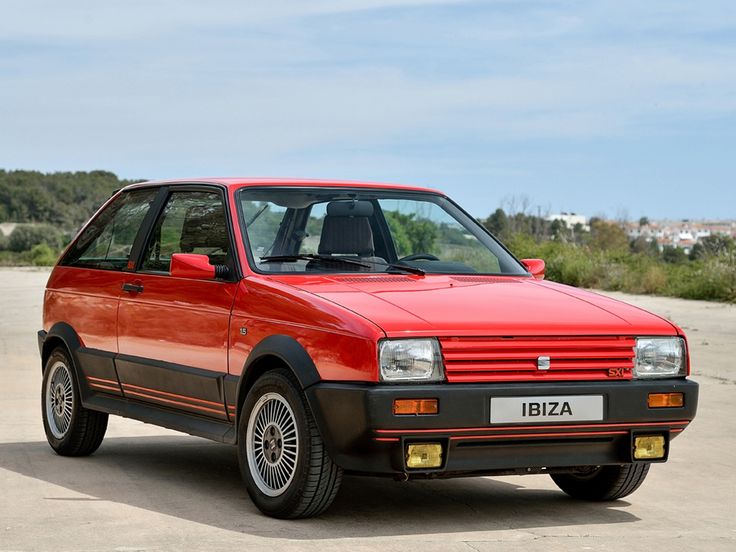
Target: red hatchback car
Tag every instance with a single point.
(326, 327)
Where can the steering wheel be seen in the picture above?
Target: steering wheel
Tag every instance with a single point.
(419, 257)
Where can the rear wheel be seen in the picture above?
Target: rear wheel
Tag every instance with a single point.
(287, 470)
(601, 483)
(71, 429)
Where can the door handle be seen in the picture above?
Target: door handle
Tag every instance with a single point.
(132, 288)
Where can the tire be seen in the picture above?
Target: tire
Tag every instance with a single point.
(286, 468)
(602, 483)
(71, 429)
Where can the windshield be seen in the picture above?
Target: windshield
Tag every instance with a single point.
(338, 230)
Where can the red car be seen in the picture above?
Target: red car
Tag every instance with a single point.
(330, 327)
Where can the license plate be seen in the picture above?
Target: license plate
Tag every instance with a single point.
(565, 408)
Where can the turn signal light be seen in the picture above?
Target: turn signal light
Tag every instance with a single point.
(666, 400)
(649, 447)
(424, 455)
(419, 407)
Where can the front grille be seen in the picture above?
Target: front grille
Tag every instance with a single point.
(507, 359)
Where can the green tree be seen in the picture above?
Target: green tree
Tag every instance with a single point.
(497, 223)
(412, 235)
(607, 236)
(673, 255)
(559, 230)
(644, 246)
(63, 199)
(718, 245)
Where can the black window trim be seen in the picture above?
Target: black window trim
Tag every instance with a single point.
(159, 204)
(117, 196)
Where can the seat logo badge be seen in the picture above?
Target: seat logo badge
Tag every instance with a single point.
(543, 363)
(243, 331)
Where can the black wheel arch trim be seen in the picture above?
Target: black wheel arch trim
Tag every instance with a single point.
(289, 351)
(64, 332)
(97, 361)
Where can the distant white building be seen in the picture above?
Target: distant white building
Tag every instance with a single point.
(679, 233)
(571, 219)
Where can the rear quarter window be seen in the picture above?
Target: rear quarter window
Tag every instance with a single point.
(107, 241)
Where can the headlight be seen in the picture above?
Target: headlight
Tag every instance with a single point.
(660, 357)
(410, 360)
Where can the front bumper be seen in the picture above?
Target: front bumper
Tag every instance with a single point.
(363, 435)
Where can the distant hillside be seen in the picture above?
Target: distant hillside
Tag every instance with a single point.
(63, 199)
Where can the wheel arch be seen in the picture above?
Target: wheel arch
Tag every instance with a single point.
(61, 334)
(276, 351)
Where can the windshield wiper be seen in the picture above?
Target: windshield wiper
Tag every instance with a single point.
(312, 257)
(258, 214)
(406, 268)
(339, 260)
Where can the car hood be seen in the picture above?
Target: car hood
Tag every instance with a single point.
(404, 305)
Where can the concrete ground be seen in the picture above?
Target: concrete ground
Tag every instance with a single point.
(152, 489)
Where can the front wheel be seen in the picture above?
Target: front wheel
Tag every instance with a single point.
(287, 470)
(601, 483)
(71, 429)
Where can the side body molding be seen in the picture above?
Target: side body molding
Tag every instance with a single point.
(95, 368)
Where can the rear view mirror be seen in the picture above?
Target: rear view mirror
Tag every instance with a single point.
(196, 267)
(535, 267)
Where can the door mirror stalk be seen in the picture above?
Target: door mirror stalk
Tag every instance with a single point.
(196, 267)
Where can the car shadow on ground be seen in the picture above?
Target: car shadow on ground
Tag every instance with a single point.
(198, 480)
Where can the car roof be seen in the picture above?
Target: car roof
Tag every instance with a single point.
(236, 182)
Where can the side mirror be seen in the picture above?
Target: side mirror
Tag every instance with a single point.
(196, 267)
(535, 266)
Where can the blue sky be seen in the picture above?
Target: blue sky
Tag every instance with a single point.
(620, 108)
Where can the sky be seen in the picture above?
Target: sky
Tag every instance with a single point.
(617, 108)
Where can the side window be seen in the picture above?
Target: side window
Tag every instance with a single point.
(107, 241)
(191, 222)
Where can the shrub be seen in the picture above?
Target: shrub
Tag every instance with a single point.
(712, 278)
(43, 255)
(24, 237)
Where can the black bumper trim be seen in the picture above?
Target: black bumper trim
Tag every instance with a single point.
(363, 435)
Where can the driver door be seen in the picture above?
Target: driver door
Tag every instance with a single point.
(173, 332)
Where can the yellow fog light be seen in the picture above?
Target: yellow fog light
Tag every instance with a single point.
(649, 447)
(424, 455)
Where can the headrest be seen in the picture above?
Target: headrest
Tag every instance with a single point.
(346, 236)
(350, 208)
(203, 227)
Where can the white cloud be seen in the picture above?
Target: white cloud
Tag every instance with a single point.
(158, 88)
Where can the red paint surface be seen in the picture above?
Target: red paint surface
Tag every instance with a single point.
(188, 265)
(88, 301)
(177, 320)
